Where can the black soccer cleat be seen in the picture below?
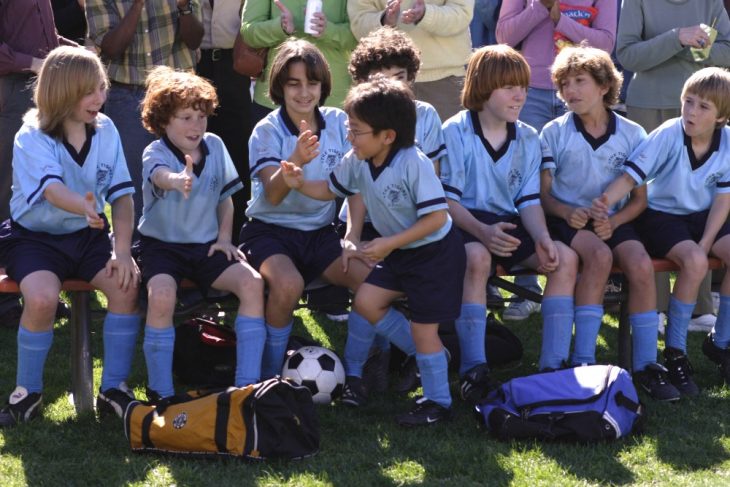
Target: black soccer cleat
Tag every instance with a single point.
(720, 356)
(114, 400)
(680, 372)
(475, 384)
(410, 378)
(354, 393)
(425, 413)
(21, 407)
(654, 380)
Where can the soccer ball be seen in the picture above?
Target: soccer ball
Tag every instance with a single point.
(317, 368)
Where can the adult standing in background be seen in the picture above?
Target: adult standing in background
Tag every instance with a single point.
(232, 119)
(134, 36)
(537, 28)
(70, 20)
(267, 23)
(654, 41)
(439, 28)
(27, 35)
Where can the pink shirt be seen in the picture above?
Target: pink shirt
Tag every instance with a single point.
(528, 22)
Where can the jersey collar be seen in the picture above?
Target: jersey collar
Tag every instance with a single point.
(714, 147)
(294, 128)
(80, 157)
(494, 154)
(197, 168)
(377, 171)
(596, 143)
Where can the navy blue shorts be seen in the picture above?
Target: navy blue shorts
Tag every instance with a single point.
(526, 248)
(180, 261)
(311, 251)
(661, 231)
(431, 276)
(561, 231)
(81, 254)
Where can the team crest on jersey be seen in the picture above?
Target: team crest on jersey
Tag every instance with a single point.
(214, 183)
(712, 179)
(514, 179)
(615, 162)
(103, 174)
(330, 159)
(394, 194)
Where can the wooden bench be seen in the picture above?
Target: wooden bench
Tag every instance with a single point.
(80, 321)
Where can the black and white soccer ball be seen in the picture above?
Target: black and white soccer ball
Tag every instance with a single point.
(319, 369)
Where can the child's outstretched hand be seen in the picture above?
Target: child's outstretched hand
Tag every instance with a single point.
(183, 181)
(126, 269)
(92, 217)
(579, 217)
(231, 251)
(292, 174)
(547, 255)
(307, 147)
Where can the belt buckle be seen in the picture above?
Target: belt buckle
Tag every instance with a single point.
(216, 54)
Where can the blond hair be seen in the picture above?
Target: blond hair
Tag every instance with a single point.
(66, 76)
(711, 84)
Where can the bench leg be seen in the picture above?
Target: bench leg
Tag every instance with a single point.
(624, 330)
(82, 380)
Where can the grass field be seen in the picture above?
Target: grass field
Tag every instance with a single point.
(684, 444)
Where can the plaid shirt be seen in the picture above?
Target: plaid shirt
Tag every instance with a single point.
(156, 41)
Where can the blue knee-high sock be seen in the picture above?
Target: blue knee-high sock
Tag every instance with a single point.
(677, 323)
(158, 346)
(644, 329)
(250, 339)
(587, 323)
(721, 334)
(33, 349)
(471, 327)
(360, 336)
(557, 325)
(120, 338)
(381, 343)
(434, 377)
(397, 329)
(274, 350)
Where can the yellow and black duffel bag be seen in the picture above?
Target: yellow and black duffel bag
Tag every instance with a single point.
(273, 419)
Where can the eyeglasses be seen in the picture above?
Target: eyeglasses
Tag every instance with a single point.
(354, 134)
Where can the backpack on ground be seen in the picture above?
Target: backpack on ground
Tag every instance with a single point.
(273, 419)
(592, 403)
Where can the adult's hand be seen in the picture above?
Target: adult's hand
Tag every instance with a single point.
(287, 20)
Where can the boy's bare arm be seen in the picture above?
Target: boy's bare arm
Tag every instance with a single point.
(224, 212)
(121, 260)
(636, 205)
(620, 187)
(378, 249)
(576, 217)
(60, 196)
(715, 220)
(181, 181)
(293, 177)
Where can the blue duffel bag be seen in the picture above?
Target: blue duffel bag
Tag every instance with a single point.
(586, 404)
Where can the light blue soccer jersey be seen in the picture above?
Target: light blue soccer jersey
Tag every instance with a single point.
(429, 138)
(582, 166)
(40, 160)
(272, 141)
(678, 182)
(500, 181)
(167, 215)
(396, 194)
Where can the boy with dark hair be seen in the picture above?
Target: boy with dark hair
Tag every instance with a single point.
(686, 160)
(419, 254)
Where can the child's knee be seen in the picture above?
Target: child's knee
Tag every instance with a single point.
(161, 300)
(478, 260)
(599, 258)
(41, 302)
(287, 287)
(250, 287)
(694, 264)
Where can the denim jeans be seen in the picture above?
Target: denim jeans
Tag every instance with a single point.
(123, 107)
(540, 107)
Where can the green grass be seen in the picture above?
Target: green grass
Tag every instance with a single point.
(684, 444)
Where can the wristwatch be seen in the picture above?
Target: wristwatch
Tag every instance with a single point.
(187, 10)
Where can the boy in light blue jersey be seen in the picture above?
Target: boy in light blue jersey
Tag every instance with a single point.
(491, 178)
(290, 238)
(186, 225)
(687, 165)
(67, 164)
(583, 151)
(391, 53)
(419, 255)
